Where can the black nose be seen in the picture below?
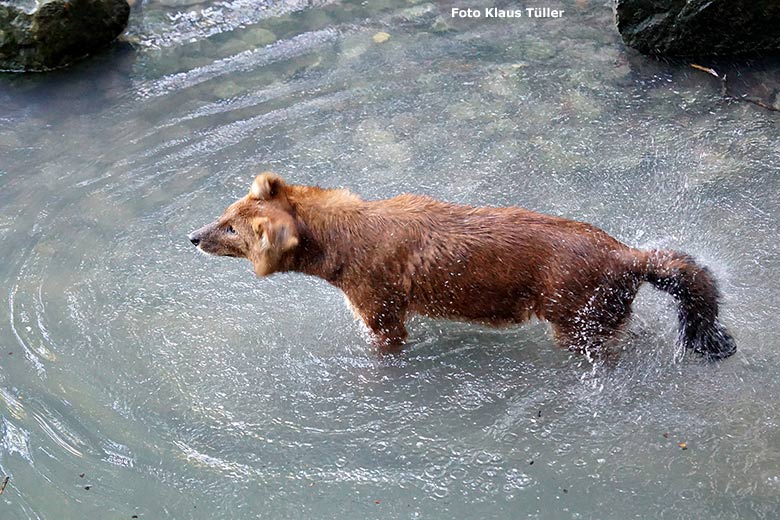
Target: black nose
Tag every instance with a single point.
(195, 240)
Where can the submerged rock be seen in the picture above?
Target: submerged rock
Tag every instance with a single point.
(699, 27)
(54, 33)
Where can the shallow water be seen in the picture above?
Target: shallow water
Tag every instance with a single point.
(182, 387)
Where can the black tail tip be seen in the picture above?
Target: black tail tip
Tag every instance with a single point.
(716, 344)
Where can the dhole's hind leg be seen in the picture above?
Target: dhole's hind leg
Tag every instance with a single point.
(595, 325)
(585, 337)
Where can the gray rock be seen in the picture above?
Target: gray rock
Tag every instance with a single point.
(55, 33)
(699, 27)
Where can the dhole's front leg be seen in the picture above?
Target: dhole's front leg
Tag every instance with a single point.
(387, 335)
(384, 317)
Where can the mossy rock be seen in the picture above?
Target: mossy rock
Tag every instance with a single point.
(699, 27)
(55, 33)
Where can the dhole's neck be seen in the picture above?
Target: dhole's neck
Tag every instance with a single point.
(329, 226)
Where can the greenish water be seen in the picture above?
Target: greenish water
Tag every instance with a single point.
(181, 387)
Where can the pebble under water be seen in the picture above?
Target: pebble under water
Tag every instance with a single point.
(138, 377)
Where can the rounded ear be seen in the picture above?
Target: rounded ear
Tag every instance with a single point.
(266, 186)
(276, 237)
(279, 234)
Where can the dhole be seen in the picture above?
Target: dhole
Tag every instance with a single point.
(497, 266)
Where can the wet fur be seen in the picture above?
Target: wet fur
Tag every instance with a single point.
(496, 266)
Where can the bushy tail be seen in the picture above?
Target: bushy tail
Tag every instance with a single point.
(696, 292)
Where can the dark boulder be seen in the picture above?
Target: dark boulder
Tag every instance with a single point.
(54, 33)
(699, 27)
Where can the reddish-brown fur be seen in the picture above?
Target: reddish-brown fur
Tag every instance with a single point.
(497, 266)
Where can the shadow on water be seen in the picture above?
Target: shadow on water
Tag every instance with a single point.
(90, 87)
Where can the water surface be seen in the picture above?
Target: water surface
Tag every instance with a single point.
(178, 386)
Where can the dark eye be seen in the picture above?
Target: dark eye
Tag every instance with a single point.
(230, 231)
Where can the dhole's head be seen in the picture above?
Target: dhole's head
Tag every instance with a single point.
(259, 227)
